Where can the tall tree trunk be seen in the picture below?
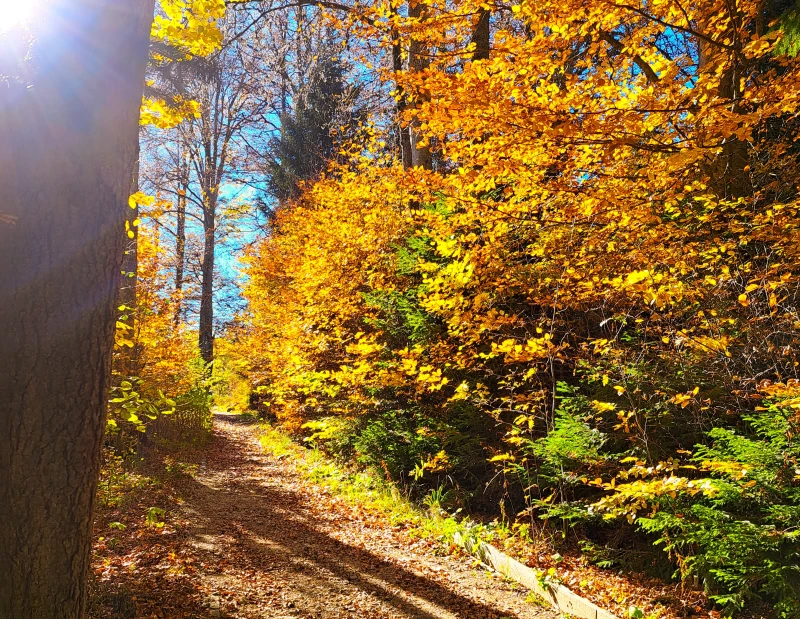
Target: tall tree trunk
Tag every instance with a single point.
(418, 60)
(67, 152)
(180, 236)
(207, 285)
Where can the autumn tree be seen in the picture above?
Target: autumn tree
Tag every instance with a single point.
(165, 173)
(68, 148)
(208, 149)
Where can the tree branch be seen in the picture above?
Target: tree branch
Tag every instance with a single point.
(645, 68)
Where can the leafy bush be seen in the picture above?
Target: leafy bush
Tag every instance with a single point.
(552, 465)
(393, 442)
(131, 404)
(190, 424)
(736, 529)
(138, 414)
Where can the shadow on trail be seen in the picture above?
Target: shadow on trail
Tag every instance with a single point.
(271, 531)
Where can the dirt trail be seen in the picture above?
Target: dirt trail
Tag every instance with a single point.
(269, 544)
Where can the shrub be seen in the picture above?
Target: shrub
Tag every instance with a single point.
(735, 529)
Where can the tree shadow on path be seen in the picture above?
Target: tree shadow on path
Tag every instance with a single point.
(242, 516)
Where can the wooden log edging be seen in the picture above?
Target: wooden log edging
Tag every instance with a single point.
(565, 601)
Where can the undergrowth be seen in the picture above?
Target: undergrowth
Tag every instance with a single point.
(428, 519)
(358, 487)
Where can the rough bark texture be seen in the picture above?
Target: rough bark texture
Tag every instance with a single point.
(67, 150)
(481, 36)
(207, 286)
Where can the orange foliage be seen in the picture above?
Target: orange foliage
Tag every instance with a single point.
(306, 351)
(161, 353)
(608, 176)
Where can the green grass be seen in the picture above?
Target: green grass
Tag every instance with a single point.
(361, 488)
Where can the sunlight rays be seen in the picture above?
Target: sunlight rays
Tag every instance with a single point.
(17, 13)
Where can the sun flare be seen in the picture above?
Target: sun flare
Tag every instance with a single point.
(16, 13)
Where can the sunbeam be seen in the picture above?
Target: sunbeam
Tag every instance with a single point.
(17, 13)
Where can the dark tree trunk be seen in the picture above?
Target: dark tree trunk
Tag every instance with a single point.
(418, 60)
(67, 153)
(403, 133)
(481, 36)
(728, 175)
(207, 150)
(207, 285)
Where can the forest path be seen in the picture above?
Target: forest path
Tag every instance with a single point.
(271, 544)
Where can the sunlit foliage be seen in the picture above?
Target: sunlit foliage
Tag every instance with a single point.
(602, 263)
